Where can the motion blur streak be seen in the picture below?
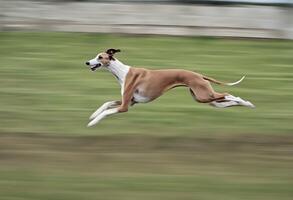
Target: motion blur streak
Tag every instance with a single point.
(172, 148)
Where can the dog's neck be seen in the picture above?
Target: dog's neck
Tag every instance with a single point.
(119, 70)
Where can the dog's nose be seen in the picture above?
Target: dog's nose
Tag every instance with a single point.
(87, 63)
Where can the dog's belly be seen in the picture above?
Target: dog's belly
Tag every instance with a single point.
(139, 97)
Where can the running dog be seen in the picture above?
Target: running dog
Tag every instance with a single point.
(139, 85)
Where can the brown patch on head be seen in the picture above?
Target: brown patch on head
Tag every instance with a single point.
(104, 58)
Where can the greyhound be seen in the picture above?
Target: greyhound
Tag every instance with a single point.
(139, 85)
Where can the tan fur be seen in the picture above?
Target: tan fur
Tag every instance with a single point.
(105, 59)
(154, 83)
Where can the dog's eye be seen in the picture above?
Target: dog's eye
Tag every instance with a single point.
(100, 57)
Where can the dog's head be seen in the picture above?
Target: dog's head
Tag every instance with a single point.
(102, 59)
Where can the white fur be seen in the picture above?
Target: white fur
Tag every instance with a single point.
(139, 98)
(232, 101)
(105, 113)
(104, 107)
(224, 104)
(239, 101)
(235, 83)
(93, 61)
(119, 70)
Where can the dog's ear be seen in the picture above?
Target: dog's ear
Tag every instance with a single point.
(112, 51)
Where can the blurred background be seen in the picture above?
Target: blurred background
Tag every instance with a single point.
(172, 148)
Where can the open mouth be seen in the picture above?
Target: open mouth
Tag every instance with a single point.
(95, 67)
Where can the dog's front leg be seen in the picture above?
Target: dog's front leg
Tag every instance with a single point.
(126, 100)
(122, 108)
(105, 113)
(104, 107)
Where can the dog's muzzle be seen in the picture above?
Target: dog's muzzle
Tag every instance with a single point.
(93, 67)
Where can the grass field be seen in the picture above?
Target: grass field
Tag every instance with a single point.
(135, 167)
(172, 148)
(46, 88)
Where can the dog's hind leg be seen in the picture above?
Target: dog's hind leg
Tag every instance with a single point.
(224, 104)
(240, 101)
(204, 93)
(105, 106)
(229, 103)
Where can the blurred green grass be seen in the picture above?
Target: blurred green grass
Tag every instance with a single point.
(173, 148)
(34, 167)
(45, 87)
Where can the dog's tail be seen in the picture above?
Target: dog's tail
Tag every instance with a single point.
(222, 83)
